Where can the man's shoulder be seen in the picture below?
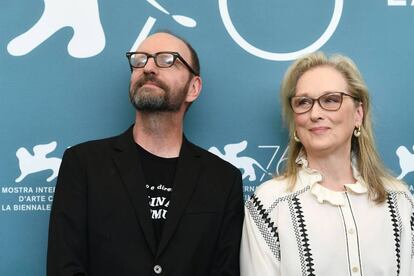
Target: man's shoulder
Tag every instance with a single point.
(94, 144)
(100, 145)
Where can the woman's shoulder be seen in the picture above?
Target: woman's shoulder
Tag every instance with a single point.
(272, 190)
(276, 185)
(400, 190)
(392, 184)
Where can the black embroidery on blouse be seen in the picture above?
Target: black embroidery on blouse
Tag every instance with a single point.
(302, 236)
(407, 196)
(287, 197)
(396, 227)
(265, 217)
(265, 224)
(412, 235)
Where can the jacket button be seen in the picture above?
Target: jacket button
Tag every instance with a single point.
(157, 269)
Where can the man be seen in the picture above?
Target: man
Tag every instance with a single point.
(148, 202)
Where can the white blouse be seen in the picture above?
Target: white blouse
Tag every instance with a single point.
(316, 231)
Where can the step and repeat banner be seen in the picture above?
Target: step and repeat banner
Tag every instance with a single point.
(64, 79)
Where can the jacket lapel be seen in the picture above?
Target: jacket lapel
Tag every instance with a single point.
(127, 162)
(186, 176)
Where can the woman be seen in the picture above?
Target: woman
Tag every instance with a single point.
(335, 210)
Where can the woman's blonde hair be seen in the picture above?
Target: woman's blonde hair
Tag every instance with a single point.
(369, 163)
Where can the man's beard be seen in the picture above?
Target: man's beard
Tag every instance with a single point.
(145, 99)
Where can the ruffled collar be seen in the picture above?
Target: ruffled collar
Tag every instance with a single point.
(323, 194)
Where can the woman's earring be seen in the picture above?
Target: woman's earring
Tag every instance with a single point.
(357, 131)
(295, 137)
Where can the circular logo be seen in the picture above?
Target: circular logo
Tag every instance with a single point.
(228, 24)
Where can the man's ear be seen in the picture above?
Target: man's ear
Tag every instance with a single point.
(194, 89)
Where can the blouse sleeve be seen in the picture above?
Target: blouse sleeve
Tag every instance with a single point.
(260, 251)
(406, 238)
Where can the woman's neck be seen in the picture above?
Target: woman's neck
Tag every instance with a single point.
(336, 170)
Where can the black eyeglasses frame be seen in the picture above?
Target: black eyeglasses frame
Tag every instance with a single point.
(154, 56)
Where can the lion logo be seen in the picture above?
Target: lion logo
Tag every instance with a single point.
(38, 162)
(406, 161)
(81, 15)
(245, 163)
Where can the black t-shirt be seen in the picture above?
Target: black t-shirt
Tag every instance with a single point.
(159, 175)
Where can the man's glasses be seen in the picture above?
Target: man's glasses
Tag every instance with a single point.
(330, 101)
(161, 59)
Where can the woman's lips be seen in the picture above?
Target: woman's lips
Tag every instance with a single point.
(319, 130)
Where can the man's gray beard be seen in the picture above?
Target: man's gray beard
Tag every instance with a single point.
(145, 101)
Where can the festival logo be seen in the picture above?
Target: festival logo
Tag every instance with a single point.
(244, 44)
(32, 197)
(400, 2)
(406, 161)
(253, 172)
(81, 15)
(146, 29)
(245, 163)
(38, 162)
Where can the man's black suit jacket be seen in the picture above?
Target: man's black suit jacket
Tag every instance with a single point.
(100, 220)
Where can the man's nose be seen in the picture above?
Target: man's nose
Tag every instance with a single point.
(151, 66)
